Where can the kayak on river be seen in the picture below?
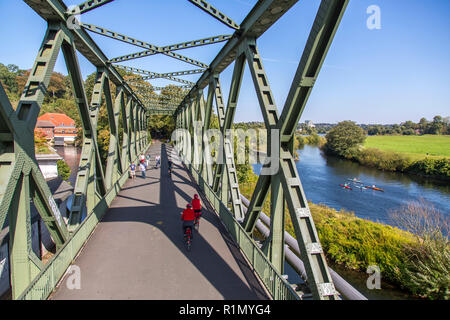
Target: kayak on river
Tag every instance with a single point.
(345, 186)
(374, 188)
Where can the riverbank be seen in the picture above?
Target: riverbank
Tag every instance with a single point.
(433, 168)
(427, 156)
(415, 147)
(355, 244)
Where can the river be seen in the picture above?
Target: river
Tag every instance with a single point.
(322, 175)
(72, 157)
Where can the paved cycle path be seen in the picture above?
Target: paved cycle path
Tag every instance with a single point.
(137, 250)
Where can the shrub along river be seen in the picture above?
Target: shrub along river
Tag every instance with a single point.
(321, 177)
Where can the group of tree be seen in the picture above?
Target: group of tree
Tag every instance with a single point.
(346, 140)
(439, 125)
(59, 99)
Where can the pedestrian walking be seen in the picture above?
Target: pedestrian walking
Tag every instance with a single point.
(133, 170)
(142, 168)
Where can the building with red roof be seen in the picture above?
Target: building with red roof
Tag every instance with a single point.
(63, 131)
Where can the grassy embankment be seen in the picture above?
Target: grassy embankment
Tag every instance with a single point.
(427, 155)
(415, 147)
(357, 244)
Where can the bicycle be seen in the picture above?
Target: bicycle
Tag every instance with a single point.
(188, 238)
(197, 221)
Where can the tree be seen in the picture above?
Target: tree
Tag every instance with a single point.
(63, 170)
(344, 139)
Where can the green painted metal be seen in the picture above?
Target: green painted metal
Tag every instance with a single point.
(285, 185)
(274, 282)
(89, 5)
(23, 185)
(95, 188)
(208, 8)
(168, 50)
(228, 153)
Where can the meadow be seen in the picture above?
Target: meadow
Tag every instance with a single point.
(417, 147)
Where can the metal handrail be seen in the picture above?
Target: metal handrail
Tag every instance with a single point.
(292, 253)
(274, 282)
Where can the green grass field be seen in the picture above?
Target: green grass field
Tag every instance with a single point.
(415, 146)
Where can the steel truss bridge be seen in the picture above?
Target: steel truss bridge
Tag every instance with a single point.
(23, 184)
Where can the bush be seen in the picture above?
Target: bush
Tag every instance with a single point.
(383, 160)
(299, 142)
(40, 143)
(315, 140)
(64, 170)
(432, 167)
(344, 139)
(426, 269)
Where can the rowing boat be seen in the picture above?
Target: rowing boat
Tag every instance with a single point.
(375, 188)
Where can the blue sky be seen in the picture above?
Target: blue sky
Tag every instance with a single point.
(400, 72)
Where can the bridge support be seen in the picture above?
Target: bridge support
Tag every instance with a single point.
(23, 189)
(279, 174)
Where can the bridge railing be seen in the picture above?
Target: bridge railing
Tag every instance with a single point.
(47, 280)
(276, 285)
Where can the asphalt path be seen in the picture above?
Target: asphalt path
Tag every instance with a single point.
(137, 251)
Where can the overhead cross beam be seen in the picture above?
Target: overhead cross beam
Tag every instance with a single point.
(205, 6)
(150, 73)
(162, 76)
(152, 49)
(169, 49)
(261, 18)
(88, 6)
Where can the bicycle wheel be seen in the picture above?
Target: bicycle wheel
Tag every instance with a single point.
(188, 244)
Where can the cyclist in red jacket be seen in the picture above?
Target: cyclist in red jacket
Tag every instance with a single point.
(197, 206)
(188, 218)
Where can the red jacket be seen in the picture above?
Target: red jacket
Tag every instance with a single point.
(188, 215)
(196, 204)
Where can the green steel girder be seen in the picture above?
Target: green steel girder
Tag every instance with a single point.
(205, 113)
(168, 53)
(208, 8)
(159, 75)
(56, 11)
(162, 111)
(117, 36)
(22, 181)
(25, 182)
(169, 88)
(228, 154)
(126, 140)
(168, 50)
(259, 20)
(90, 178)
(285, 185)
(88, 6)
(162, 76)
(327, 21)
(22, 184)
(152, 49)
(114, 164)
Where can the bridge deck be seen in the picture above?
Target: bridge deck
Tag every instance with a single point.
(137, 250)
